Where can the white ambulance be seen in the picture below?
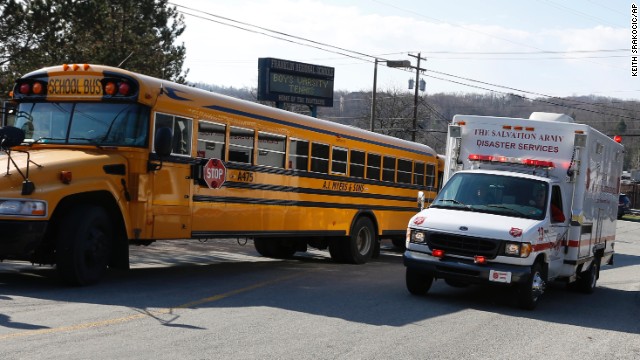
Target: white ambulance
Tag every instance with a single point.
(524, 202)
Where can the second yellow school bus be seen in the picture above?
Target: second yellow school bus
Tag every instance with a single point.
(112, 158)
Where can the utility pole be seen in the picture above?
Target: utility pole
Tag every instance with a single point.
(415, 97)
(391, 64)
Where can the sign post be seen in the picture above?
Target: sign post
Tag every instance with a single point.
(214, 173)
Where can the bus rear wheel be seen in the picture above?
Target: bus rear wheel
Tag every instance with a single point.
(84, 244)
(359, 247)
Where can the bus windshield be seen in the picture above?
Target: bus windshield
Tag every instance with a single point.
(112, 124)
(494, 194)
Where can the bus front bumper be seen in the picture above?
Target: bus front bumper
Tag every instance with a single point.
(20, 239)
(466, 271)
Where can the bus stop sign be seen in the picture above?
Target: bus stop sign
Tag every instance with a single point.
(214, 173)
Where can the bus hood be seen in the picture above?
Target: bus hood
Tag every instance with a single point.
(45, 167)
(476, 224)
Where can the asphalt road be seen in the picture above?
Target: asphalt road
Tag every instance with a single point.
(220, 300)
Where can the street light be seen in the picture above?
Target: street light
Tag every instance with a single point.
(415, 98)
(392, 64)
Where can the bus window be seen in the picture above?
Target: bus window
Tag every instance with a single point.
(373, 166)
(418, 174)
(431, 175)
(211, 140)
(339, 161)
(241, 145)
(404, 171)
(356, 165)
(320, 158)
(298, 154)
(181, 128)
(389, 169)
(271, 149)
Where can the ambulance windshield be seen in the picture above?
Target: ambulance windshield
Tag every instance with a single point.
(494, 194)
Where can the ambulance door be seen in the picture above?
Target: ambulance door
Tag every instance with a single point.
(558, 231)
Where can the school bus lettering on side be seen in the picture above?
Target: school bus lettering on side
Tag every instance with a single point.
(111, 158)
(342, 186)
(245, 176)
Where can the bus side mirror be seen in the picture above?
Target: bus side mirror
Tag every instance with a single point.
(10, 136)
(420, 200)
(163, 142)
(162, 145)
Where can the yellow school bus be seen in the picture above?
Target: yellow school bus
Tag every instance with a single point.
(97, 158)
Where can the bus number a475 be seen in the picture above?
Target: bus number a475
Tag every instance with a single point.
(245, 176)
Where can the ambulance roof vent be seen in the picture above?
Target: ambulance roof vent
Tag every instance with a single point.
(551, 117)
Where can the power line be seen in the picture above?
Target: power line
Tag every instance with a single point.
(344, 51)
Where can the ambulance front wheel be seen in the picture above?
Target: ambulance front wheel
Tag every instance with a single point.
(530, 292)
(418, 282)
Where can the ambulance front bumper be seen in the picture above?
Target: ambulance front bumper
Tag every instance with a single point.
(466, 271)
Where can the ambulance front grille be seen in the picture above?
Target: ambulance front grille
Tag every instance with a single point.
(463, 245)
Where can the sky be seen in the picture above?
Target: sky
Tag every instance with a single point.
(532, 48)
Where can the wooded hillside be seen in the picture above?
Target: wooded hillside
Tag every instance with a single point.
(394, 113)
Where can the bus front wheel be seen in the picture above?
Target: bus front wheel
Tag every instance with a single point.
(84, 245)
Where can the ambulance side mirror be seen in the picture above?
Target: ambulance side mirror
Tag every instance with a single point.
(420, 200)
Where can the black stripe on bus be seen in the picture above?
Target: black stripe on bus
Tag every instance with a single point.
(279, 202)
(322, 176)
(254, 234)
(299, 190)
(310, 128)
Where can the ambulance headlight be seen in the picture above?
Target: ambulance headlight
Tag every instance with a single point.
(23, 207)
(517, 249)
(418, 237)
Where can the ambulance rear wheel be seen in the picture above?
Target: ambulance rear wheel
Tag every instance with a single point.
(587, 279)
(530, 292)
(418, 283)
(84, 244)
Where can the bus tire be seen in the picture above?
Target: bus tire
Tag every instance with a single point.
(399, 243)
(531, 291)
(84, 242)
(361, 244)
(275, 248)
(337, 249)
(587, 279)
(418, 283)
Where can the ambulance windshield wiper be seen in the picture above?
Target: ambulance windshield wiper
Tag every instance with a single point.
(511, 210)
(456, 202)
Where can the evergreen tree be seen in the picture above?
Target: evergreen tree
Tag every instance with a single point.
(137, 35)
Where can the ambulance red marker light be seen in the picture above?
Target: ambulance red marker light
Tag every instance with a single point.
(437, 253)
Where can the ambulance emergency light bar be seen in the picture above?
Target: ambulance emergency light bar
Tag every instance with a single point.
(511, 160)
